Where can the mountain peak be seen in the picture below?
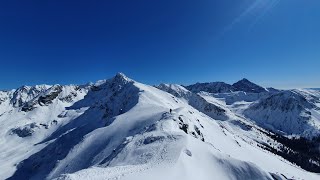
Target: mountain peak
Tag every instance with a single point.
(248, 86)
(121, 77)
(245, 80)
(121, 74)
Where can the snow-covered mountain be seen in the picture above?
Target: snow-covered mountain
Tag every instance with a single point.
(122, 129)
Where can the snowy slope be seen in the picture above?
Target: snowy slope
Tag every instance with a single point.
(121, 129)
(290, 112)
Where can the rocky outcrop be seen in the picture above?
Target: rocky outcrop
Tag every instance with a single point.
(25, 131)
(49, 96)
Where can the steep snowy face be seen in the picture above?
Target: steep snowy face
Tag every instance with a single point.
(114, 96)
(212, 87)
(288, 112)
(286, 101)
(247, 86)
(213, 110)
(312, 96)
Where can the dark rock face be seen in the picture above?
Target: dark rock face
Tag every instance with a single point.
(69, 98)
(247, 86)
(28, 107)
(47, 99)
(24, 131)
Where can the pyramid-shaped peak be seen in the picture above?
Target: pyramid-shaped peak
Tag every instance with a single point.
(245, 80)
(248, 86)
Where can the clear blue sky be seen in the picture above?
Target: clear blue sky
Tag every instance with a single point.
(271, 42)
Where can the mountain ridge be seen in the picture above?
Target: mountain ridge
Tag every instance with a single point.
(221, 87)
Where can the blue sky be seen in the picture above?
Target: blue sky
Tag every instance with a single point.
(271, 42)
